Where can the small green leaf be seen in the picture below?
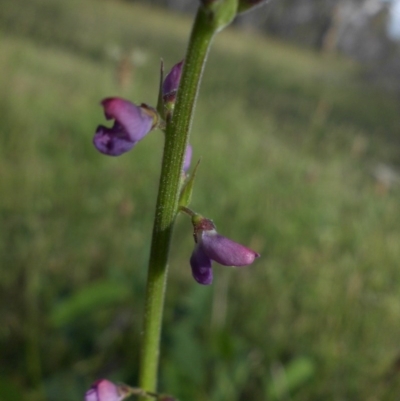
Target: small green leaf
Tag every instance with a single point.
(187, 190)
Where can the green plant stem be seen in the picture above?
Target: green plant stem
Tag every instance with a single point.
(176, 141)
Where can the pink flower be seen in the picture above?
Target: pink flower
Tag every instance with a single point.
(213, 246)
(104, 390)
(131, 124)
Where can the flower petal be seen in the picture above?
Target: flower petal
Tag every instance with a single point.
(201, 266)
(91, 395)
(131, 124)
(134, 119)
(225, 251)
(112, 141)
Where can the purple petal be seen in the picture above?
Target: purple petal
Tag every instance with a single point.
(112, 141)
(103, 390)
(134, 119)
(188, 158)
(131, 124)
(91, 395)
(201, 266)
(171, 81)
(225, 251)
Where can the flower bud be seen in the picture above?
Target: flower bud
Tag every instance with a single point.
(104, 390)
(170, 87)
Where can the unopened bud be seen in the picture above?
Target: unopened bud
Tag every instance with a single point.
(170, 87)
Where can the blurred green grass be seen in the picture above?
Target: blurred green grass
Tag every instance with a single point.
(287, 138)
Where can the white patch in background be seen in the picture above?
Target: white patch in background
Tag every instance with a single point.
(394, 20)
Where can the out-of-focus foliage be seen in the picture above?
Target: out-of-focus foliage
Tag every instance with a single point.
(356, 28)
(299, 162)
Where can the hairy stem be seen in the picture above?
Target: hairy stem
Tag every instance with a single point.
(176, 141)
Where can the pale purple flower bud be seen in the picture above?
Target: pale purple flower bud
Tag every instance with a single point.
(171, 83)
(131, 124)
(104, 390)
(188, 158)
(170, 89)
(213, 246)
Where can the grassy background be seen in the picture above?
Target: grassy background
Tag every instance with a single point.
(288, 140)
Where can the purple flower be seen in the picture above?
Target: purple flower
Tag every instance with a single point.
(104, 390)
(131, 124)
(212, 246)
(171, 83)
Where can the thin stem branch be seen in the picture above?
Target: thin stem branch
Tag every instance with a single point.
(187, 211)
